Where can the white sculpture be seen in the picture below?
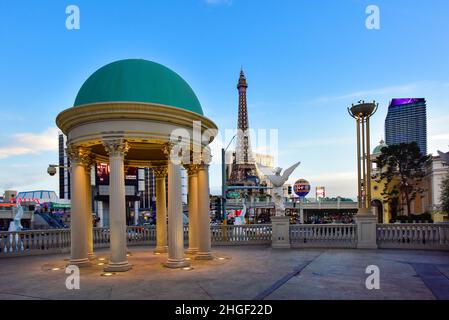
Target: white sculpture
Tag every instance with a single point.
(241, 219)
(278, 181)
(15, 226)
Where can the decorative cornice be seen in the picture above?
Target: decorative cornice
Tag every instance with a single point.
(75, 116)
(116, 147)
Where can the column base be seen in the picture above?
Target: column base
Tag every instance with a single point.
(79, 262)
(118, 267)
(91, 256)
(364, 212)
(176, 263)
(280, 238)
(204, 256)
(163, 249)
(280, 246)
(191, 251)
(366, 230)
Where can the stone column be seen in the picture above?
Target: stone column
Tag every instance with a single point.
(203, 214)
(176, 257)
(301, 215)
(160, 173)
(89, 217)
(192, 170)
(78, 218)
(136, 212)
(100, 213)
(118, 261)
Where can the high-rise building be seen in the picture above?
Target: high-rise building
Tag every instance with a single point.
(406, 122)
(244, 168)
(64, 177)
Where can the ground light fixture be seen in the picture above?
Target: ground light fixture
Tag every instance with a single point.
(55, 269)
(107, 274)
(187, 268)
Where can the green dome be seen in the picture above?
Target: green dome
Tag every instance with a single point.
(378, 149)
(137, 80)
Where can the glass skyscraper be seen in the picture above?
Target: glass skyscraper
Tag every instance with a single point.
(406, 122)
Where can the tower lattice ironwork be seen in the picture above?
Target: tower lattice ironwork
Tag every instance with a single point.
(244, 165)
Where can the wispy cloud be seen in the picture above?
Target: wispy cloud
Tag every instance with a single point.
(30, 143)
(392, 90)
(218, 2)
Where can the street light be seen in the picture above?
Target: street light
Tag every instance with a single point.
(223, 179)
(362, 112)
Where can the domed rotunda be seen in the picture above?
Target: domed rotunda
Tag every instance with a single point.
(139, 113)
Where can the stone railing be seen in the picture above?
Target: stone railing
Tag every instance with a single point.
(413, 236)
(58, 240)
(397, 236)
(34, 242)
(323, 235)
(241, 234)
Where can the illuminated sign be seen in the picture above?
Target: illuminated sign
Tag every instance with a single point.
(320, 192)
(233, 195)
(103, 173)
(20, 200)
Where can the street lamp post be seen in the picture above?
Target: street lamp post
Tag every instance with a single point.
(365, 219)
(362, 113)
(223, 179)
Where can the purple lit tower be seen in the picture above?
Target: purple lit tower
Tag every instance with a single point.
(406, 121)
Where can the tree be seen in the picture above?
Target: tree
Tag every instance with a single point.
(445, 194)
(403, 167)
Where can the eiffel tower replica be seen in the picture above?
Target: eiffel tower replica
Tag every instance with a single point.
(244, 170)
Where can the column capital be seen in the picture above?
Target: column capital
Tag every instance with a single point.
(160, 172)
(192, 169)
(80, 155)
(166, 149)
(203, 166)
(116, 147)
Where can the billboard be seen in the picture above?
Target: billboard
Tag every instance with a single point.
(103, 172)
(102, 176)
(320, 192)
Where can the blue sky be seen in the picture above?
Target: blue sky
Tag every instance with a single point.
(305, 61)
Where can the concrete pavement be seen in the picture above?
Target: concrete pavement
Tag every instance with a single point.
(246, 272)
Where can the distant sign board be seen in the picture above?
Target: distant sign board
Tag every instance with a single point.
(233, 195)
(320, 192)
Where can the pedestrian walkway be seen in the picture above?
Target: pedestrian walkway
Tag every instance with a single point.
(243, 273)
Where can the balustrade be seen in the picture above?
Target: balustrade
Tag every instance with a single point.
(399, 236)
